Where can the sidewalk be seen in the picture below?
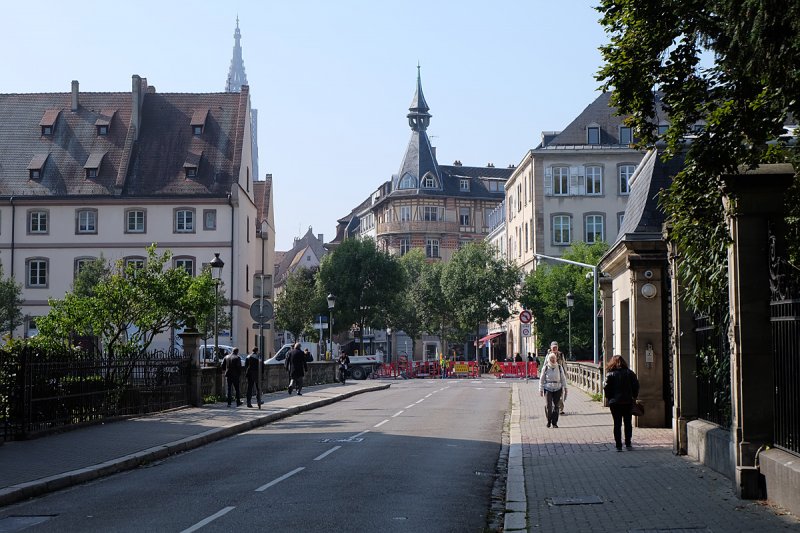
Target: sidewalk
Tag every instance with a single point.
(576, 481)
(34, 467)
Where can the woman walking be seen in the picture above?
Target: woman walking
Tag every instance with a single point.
(552, 385)
(621, 388)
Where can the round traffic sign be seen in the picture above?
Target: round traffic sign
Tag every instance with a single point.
(525, 316)
(261, 310)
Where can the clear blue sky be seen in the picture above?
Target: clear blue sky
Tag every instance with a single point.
(332, 80)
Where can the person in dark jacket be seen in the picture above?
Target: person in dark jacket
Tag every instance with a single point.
(232, 365)
(621, 388)
(297, 366)
(252, 365)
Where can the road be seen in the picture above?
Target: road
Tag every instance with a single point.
(419, 456)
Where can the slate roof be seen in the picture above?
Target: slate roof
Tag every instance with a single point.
(152, 166)
(419, 158)
(291, 259)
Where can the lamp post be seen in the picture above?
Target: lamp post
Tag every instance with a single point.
(594, 294)
(331, 304)
(570, 303)
(389, 342)
(216, 275)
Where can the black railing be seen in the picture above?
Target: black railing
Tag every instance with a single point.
(785, 326)
(43, 392)
(713, 371)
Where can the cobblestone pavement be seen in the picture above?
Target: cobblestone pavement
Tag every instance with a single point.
(576, 481)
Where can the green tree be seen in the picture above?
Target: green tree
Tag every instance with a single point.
(743, 101)
(89, 275)
(365, 281)
(10, 304)
(544, 293)
(404, 315)
(295, 306)
(479, 286)
(437, 315)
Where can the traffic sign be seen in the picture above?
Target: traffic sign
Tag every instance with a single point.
(525, 316)
(259, 326)
(525, 330)
(261, 310)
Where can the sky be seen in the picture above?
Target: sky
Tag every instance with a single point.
(332, 80)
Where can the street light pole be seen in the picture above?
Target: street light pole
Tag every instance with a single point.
(570, 303)
(595, 290)
(389, 342)
(331, 304)
(216, 274)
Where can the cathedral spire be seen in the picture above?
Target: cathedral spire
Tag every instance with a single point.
(236, 74)
(418, 116)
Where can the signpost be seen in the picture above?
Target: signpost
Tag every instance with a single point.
(525, 316)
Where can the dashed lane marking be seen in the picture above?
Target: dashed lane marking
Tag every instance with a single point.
(379, 424)
(398, 413)
(201, 523)
(278, 480)
(326, 454)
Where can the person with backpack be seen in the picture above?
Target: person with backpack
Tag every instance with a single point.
(232, 365)
(621, 389)
(552, 385)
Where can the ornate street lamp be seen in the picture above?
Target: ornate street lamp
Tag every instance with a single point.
(570, 303)
(216, 275)
(331, 304)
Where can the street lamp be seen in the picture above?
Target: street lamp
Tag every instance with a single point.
(331, 304)
(216, 275)
(389, 342)
(595, 290)
(570, 303)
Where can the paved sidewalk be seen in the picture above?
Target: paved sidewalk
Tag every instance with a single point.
(34, 467)
(576, 481)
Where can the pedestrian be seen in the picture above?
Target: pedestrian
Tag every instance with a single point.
(232, 365)
(517, 358)
(553, 386)
(297, 366)
(344, 364)
(530, 357)
(252, 367)
(561, 361)
(309, 357)
(621, 389)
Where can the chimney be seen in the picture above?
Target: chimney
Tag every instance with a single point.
(433, 149)
(136, 99)
(320, 237)
(74, 95)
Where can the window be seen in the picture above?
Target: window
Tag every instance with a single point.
(405, 213)
(248, 229)
(430, 213)
(184, 221)
(662, 129)
(463, 216)
(35, 173)
(36, 273)
(463, 184)
(594, 180)
(526, 236)
(405, 245)
(428, 182)
(519, 197)
(31, 326)
(80, 264)
(134, 262)
(47, 130)
(594, 229)
(432, 248)
(191, 172)
(86, 221)
(102, 130)
(407, 182)
(625, 136)
(185, 263)
(625, 174)
(37, 222)
(91, 173)
(560, 181)
(197, 130)
(209, 219)
(593, 135)
(620, 219)
(561, 229)
(134, 221)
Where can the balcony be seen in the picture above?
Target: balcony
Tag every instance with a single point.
(418, 226)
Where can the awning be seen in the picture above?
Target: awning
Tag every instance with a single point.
(488, 337)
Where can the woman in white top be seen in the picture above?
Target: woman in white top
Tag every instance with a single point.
(552, 384)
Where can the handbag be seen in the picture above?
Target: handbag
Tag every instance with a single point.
(637, 408)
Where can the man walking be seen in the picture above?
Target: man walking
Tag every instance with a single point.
(232, 366)
(297, 366)
(252, 368)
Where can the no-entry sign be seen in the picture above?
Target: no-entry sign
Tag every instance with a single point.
(525, 317)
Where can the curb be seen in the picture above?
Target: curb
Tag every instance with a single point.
(30, 489)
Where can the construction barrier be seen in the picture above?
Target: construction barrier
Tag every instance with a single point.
(427, 369)
(510, 369)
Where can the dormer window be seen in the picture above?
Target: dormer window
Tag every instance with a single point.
(36, 166)
(463, 185)
(199, 121)
(192, 164)
(428, 182)
(625, 136)
(407, 182)
(103, 122)
(662, 129)
(593, 135)
(48, 122)
(92, 165)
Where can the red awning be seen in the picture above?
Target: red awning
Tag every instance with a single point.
(488, 337)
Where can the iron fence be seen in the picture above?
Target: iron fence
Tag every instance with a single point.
(713, 370)
(43, 392)
(785, 328)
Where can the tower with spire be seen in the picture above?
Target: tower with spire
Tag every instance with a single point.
(236, 74)
(420, 157)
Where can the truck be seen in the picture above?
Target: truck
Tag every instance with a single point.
(280, 356)
(361, 366)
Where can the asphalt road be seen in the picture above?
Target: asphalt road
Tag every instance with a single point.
(420, 456)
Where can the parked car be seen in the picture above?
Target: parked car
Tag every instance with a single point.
(207, 357)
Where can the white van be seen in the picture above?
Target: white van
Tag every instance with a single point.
(207, 354)
(280, 357)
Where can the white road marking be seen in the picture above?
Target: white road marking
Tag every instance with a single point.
(278, 480)
(398, 413)
(429, 395)
(326, 454)
(420, 401)
(409, 406)
(359, 434)
(201, 523)
(379, 424)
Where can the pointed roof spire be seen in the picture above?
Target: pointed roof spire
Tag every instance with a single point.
(236, 74)
(418, 116)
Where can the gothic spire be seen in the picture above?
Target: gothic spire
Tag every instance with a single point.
(236, 74)
(420, 157)
(418, 116)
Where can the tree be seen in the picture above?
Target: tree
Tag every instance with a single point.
(544, 292)
(479, 286)
(743, 101)
(437, 315)
(365, 281)
(295, 305)
(10, 303)
(89, 275)
(129, 306)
